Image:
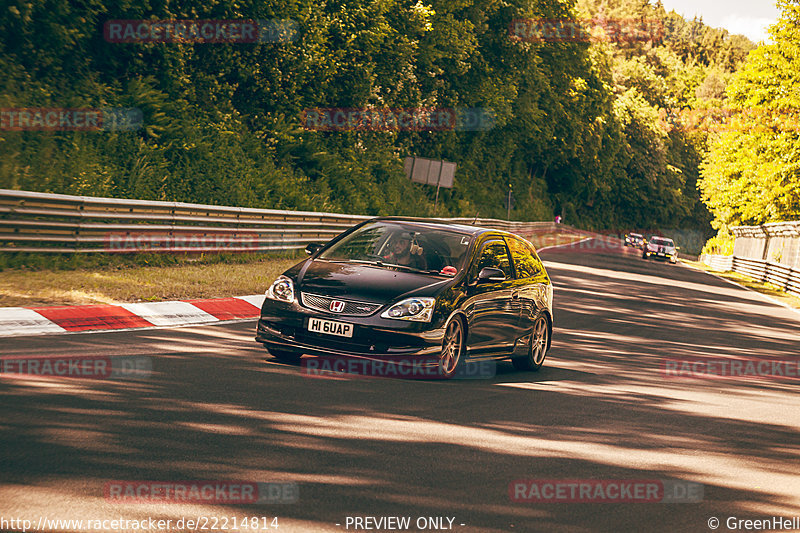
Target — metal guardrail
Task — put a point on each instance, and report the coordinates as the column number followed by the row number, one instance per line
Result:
column 776, row 242
column 57, row 223
column 750, row 267
column 779, row 275
column 755, row 251
column 722, row 263
column 769, row 253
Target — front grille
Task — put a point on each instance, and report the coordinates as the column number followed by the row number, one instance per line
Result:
column 351, row 308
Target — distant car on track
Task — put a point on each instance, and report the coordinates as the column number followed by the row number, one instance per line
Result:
column 470, row 294
column 634, row 239
column 660, row 248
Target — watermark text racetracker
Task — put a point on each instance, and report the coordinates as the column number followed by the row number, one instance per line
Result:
column 83, row 367
column 238, row 31
column 756, row 119
column 581, row 31
column 398, row 119
column 187, row 241
column 741, row 368
column 604, row 491
column 70, row 119
column 399, row 368
column 200, row 492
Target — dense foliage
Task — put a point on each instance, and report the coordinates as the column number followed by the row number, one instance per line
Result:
column 579, row 129
column 752, row 172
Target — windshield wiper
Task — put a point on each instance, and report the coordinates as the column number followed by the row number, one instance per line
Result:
column 365, row 262
column 408, row 268
column 380, row 263
column 360, row 261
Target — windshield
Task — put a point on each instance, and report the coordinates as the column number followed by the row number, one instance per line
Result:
column 418, row 247
column 662, row 242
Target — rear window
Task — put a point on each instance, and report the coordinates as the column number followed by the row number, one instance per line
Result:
column 525, row 261
column 494, row 255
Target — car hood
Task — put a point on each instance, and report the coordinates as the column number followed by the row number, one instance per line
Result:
column 365, row 283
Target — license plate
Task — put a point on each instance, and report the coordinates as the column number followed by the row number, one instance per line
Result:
column 660, row 253
column 329, row 327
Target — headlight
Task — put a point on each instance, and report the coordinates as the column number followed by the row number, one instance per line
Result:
column 416, row 309
column 282, row 289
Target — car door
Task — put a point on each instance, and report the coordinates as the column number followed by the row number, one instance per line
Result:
column 491, row 318
column 529, row 290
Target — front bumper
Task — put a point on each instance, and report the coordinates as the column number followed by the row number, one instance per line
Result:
column 672, row 258
column 284, row 326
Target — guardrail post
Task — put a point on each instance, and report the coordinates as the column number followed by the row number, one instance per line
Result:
column 765, row 254
column 76, row 231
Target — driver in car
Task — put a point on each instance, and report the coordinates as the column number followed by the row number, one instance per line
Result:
column 403, row 253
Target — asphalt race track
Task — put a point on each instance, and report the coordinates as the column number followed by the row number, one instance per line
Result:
column 602, row 408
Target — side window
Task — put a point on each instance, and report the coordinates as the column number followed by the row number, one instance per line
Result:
column 494, row 254
column 526, row 263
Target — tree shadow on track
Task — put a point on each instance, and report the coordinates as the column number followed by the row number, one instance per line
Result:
column 599, row 409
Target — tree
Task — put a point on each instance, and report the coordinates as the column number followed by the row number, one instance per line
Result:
column 752, row 172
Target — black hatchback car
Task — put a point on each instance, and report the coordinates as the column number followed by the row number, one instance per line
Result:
column 413, row 291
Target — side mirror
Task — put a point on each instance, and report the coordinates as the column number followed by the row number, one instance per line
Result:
column 313, row 248
column 491, row 274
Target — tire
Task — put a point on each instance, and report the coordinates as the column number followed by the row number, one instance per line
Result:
column 537, row 347
column 452, row 352
column 291, row 358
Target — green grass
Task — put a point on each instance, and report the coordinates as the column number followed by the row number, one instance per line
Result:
column 118, row 282
column 82, row 261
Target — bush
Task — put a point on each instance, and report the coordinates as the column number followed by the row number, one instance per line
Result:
column 722, row 244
